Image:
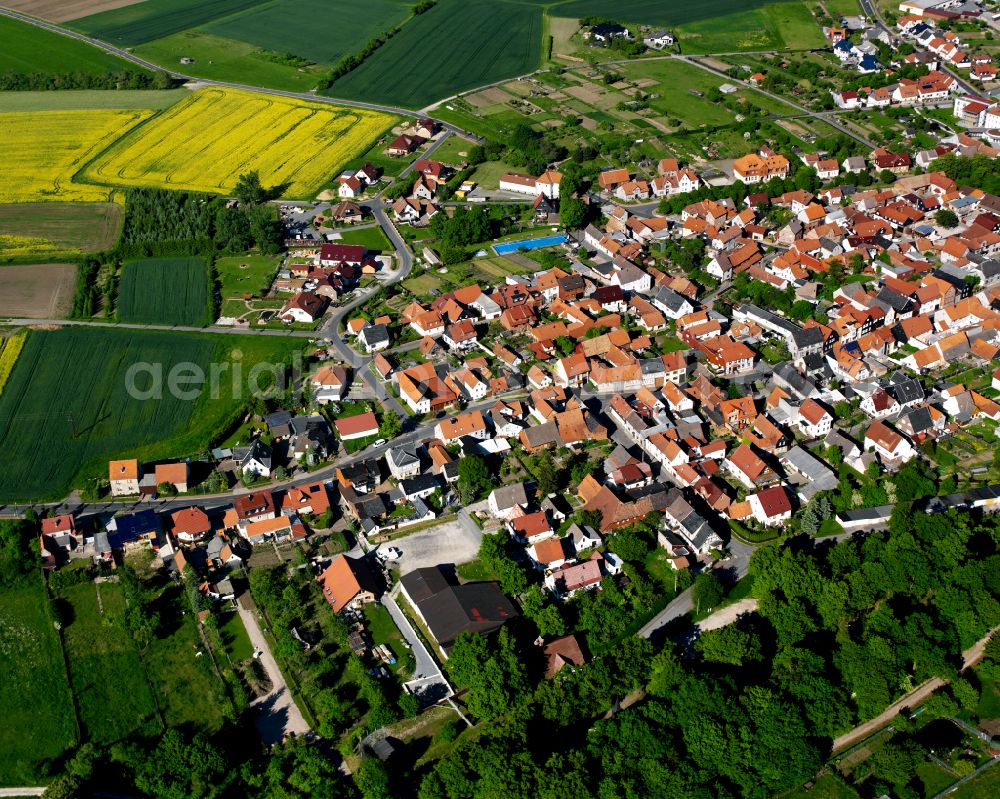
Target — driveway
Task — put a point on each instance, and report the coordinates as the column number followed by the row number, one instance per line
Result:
column 275, row 714
column 428, row 683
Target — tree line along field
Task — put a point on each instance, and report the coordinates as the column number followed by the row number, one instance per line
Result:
column 154, row 19
column 29, row 49
column 35, row 700
column 44, row 150
column 207, row 140
column 65, row 409
column 165, row 291
column 457, row 45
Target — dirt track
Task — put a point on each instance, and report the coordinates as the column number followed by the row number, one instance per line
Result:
column 970, row 656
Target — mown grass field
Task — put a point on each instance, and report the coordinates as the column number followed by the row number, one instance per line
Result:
column 675, row 82
column 279, row 26
column 44, row 150
column 165, row 291
column 227, row 60
column 106, row 673
column 154, row 19
column 83, row 227
column 206, row 141
column 245, row 274
column 39, row 722
column 27, row 49
column 66, row 410
column 371, row 238
column 457, row 45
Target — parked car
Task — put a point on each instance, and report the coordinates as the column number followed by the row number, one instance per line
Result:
column 380, row 443
column 389, row 553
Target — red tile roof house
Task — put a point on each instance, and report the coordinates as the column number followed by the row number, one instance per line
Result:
column 581, row 577
column 772, row 506
column 303, row 307
column 190, row 524
column 404, row 145
column 333, row 254
column 249, row 508
column 892, row 448
column 58, row 533
column 309, row 500
column 531, row 528
column 355, row 427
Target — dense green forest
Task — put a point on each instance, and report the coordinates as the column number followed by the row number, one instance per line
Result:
column 752, row 708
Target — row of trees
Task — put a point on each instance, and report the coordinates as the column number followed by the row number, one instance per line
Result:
column 123, row 79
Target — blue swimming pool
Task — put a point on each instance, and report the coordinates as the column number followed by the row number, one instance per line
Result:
column 528, row 244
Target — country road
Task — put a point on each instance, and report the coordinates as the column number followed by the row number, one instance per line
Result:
column 311, row 96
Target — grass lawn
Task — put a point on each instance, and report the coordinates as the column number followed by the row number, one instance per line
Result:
column 985, row 786
column 112, row 693
column 989, row 702
column 88, row 227
column 371, row 238
column 65, row 430
column 28, row 49
column 423, row 285
column 842, row 8
column 227, row 60
column 190, row 692
column 675, row 82
column 234, row 636
column 86, row 99
column 246, row 274
column 453, row 151
column 383, row 630
column 672, row 344
column 35, row 700
column 934, row 778
column 475, row 571
column 463, row 44
column 488, row 173
column 165, row 291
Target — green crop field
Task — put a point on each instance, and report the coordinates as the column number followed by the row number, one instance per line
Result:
column 88, row 227
column 714, row 26
column 108, row 678
column 165, row 291
column 154, row 19
column 35, row 701
column 457, row 45
column 89, row 99
column 27, row 49
column 66, row 411
column 280, row 26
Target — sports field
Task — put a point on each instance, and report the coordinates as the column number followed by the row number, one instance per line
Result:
column 43, row 150
column 457, row 45
column 87, row 227
column 27, row 49
column 107, row 676
column 154, row 19
column 206, row 141
column 37, row 291
column 35, row 702
column 282, row 26
column 67, row 410
column 164, row 291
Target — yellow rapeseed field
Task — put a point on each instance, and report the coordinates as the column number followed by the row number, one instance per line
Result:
column 10, row 348
column 42, row 150
column 205, row 142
